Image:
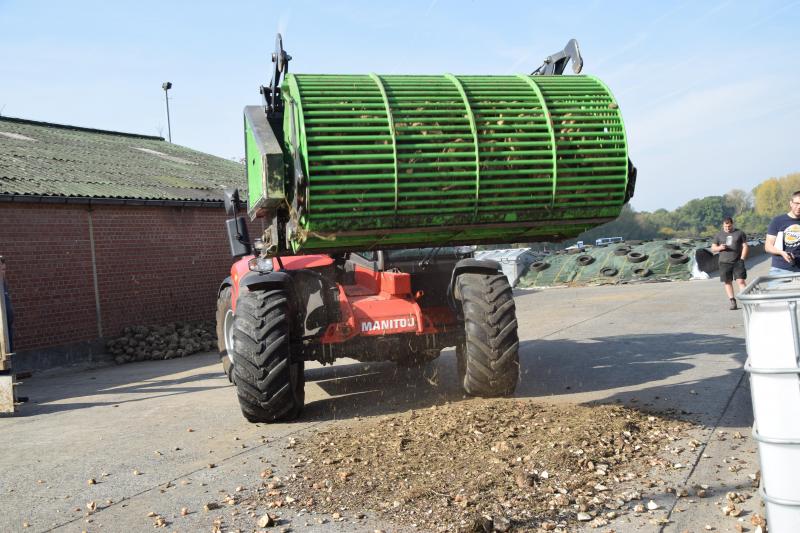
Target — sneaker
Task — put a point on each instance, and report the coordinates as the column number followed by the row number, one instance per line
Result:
column 733, row 306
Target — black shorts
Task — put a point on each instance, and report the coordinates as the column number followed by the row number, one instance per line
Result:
column 731, row 271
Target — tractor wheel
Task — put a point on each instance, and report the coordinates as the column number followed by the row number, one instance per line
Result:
column 270, row 385
column 461, row 362
column 489, row 358
column 225, row 332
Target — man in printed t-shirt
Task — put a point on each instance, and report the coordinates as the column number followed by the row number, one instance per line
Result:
column 786, row 249
column 731, row 244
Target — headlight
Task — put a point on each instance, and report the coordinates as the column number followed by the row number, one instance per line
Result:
column 261, row 264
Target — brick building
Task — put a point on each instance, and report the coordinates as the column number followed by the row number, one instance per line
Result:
column 103, row 230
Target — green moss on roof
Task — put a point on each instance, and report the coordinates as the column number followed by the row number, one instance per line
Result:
column 43, row 159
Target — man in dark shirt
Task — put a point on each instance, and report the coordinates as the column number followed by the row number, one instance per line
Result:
column 783, row 239
column 731, row 244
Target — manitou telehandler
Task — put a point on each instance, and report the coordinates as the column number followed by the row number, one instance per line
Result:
column 372, row 191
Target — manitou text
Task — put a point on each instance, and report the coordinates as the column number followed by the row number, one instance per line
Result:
column 388, row 324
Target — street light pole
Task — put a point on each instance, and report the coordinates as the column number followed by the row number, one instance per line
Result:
column 167, row 85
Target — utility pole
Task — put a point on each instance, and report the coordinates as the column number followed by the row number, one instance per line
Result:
column 167, row 85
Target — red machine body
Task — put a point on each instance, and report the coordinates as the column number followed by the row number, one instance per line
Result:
column 378, row 303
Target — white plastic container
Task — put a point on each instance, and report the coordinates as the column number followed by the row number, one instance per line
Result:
column 782, row 516
column 771, row 305
column 776, row 403
column 770, row 334
column 780, row 466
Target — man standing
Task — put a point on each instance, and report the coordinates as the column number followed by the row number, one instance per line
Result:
column 732, row 247
column 786, row 248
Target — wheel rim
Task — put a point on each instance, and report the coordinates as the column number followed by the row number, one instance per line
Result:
column 228, row 330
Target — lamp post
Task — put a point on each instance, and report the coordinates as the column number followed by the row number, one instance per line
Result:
column 167, row 85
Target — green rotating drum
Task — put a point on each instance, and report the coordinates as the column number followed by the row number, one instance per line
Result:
column 405, row 161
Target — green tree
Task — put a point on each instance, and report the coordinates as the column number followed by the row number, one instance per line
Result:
column 696, row 216
column 753, row 224
column 768, row 198
column 738, row 201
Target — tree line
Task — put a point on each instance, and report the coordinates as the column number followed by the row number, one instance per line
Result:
column 702, row 217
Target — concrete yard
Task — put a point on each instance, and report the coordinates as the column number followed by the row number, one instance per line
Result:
column 160, row 436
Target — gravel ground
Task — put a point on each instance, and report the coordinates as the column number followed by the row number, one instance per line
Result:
column 487, row 465
column 170, row 439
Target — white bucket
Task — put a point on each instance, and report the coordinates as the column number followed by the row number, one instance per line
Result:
column 776, row 401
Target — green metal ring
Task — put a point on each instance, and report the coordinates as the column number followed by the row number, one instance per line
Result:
column 390, row 119
column 474, row 128
column 529, row 80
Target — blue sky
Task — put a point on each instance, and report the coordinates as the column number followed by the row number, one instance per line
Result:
column 707, row 89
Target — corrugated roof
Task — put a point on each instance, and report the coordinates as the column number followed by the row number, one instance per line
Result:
column 42, row 159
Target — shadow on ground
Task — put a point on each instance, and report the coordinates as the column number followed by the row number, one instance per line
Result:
column 649, row 367
column 143, row 381
column 549, row 368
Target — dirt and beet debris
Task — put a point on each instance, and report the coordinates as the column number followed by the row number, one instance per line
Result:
column 485, row 465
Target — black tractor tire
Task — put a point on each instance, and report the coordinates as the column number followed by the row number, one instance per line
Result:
column 269, row 383
column 622, row 250
column 538, row 266
column 584, row 260
column 609, row 272
column 642, row 272
column 224, row 330
column 678, row 258
column 637, row 257
column 461, row 362
column 488, row 360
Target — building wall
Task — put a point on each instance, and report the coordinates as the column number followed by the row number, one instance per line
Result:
column 154, row 265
